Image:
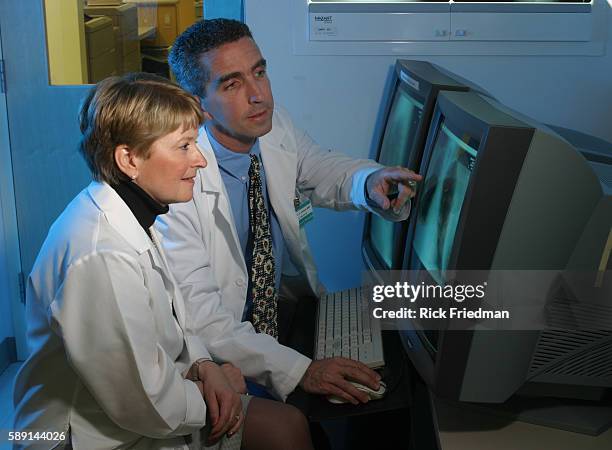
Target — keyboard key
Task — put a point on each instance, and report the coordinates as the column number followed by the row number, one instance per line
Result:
column 346, row 328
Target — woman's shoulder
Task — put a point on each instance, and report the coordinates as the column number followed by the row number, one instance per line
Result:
column 83, row 230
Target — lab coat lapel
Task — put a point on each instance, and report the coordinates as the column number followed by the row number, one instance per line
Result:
column 281, row 175
column 159, row 260
column 212, row 186
column 119, row 215
column 281, row 172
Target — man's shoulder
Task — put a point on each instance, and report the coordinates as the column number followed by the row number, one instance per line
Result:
column 282, row 128
column 281, row 114
column 282, row 120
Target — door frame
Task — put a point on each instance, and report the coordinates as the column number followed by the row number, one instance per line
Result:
column 11, row 257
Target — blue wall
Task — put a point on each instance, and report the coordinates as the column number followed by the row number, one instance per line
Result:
column 231, row 9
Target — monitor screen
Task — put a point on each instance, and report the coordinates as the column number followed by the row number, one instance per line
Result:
column 444, row 190
column 402, row 126
column 399, row 137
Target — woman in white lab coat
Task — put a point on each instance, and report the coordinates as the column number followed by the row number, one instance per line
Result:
column 111, row 364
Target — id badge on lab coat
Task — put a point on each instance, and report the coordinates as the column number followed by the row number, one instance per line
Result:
column 303, row 210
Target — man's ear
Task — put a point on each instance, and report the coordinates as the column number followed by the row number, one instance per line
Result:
column 126, row 161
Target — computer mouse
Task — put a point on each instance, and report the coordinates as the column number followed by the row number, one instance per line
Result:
column 374, row 395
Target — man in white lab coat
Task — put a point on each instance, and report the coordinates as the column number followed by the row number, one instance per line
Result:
column 209, row 241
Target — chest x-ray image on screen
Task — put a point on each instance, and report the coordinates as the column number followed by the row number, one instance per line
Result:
column 442, row 197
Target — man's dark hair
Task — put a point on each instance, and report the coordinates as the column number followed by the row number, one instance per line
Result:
column 199, row 38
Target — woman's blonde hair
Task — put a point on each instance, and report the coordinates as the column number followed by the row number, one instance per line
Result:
column 133, row 110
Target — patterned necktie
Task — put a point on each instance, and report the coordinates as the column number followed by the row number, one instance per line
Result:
column 263, row 291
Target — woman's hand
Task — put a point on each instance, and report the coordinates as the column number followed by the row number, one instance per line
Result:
column 234, row 375
column 223, row 402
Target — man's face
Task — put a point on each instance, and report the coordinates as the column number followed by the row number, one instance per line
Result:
column 238, row 102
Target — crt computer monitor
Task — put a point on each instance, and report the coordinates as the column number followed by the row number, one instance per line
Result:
column 503, row 192
column 409, row 107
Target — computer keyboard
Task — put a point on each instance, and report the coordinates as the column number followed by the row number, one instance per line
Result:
column 346, row 328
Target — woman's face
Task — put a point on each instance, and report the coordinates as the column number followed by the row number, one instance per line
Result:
column 168, row 174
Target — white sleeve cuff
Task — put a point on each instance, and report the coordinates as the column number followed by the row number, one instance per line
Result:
column 358, row 188
column 195, row 415
column 293, row 378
